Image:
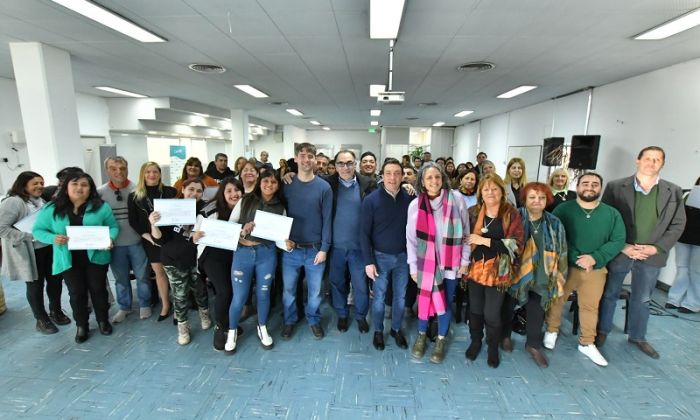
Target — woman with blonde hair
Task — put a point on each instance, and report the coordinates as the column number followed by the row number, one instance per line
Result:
column 515, row 179
column 559, row 184
column 140, row 204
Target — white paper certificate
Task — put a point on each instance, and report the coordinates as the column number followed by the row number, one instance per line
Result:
column 694, row 197
column 26, row 224
column 271, row 226
column 176, row 211
column 220, row 234
column 88, row 237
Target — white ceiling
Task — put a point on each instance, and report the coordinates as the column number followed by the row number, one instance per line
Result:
column 317, row 56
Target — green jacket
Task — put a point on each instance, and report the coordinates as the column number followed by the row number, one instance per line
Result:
column 47, row 227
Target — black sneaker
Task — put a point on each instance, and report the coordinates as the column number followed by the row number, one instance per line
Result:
column 342, row 324
column 362, row 325
column 59, row 317
column 45, row 326
column 317, row 330
column 287, row 332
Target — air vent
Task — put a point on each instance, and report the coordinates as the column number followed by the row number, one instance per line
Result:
column 207, row 68
column 477, row 66
column 424, row 104
column 411, row 118
column 277, row 103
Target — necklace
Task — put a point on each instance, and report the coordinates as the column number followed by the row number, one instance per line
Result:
column 562, row 195
column 588, row 213
column 485, row 229
column 536, row 227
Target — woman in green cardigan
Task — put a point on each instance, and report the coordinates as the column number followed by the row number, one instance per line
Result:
column 85, row 271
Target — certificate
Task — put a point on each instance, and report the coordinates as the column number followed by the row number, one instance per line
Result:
column 174, row 211
column 271, row 226
column 88, row 237
column 694, row 197
column 26, row 224
column 220, row 234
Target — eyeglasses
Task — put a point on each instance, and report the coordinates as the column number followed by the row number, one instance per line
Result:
column 118, row 194
column 348, row 164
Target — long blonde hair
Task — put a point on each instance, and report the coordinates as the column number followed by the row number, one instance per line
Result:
column 523, row 178
column 140, row 190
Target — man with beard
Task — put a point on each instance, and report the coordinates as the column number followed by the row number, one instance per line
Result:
column 595, row 234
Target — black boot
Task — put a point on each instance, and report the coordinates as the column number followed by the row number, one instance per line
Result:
column 493, row 337
column 476, row 331
column 459, row 303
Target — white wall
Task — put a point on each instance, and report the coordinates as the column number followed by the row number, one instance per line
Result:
column 291, row 135
column 466, row 139
column 336, row 138
column 11, row 120
column 272, row 144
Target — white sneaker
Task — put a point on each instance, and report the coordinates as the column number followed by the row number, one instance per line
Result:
column 230, row 345
column 120, row 316
column 550, row 340
column 183, row 333
column 265, row 338
column 145, row 313
column 205, row 319
column 591, row 351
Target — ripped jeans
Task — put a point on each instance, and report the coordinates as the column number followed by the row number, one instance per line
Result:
column 248, row 261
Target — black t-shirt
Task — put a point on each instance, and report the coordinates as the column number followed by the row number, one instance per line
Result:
column 495, row 233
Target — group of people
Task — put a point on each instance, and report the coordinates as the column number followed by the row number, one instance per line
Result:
column 417, row 232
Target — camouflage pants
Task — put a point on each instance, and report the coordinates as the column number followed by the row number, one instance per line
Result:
column 182, row 282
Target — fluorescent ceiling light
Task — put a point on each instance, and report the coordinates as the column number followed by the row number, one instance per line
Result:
column 385, row 18
column 374, row 123
column 250, row 90
column 463, row 113
column 110, row 19
column 375, row 112
column 327, row 128
column 672, row 27
column 314, row 122
column 120, row 92
column 515, row 92
column 375, row 90
column 295, row 112
column 439, row 124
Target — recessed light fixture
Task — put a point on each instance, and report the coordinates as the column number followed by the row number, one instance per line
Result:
column 463, row 113
column 375, row 112
column 120, row 92
column 327, row 128
column 439, row 124
column 672, row 27
column 375, row 90
column 314, row 122
column 517, row 91
column 385, row 18
column 374, row 123
column 250, row 90
column 295, row 112
column 110, row 19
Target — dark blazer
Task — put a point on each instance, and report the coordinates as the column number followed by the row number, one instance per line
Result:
column 367, row 185
column 670, row 208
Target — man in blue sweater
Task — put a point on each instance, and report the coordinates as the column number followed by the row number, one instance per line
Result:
column 349, row 189
column 309, row 202
column 383, row 242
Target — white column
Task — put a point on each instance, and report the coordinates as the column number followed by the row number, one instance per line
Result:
column 46, row 93
column 291, row 135
column 240, row 140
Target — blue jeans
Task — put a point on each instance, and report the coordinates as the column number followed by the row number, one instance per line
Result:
column 134, row 257
column 394, row 267
column 644, row 278
column 352, row 260
column 260, row 260
column 444, row 319
column 685, row 291
column 291, row 265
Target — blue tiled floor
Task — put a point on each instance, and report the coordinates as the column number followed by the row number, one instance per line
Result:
column 140, row 372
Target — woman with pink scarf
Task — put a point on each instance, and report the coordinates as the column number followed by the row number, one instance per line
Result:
column 437, row 223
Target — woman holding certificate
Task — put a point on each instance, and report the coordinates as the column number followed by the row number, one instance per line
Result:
column 254, row 256
column 81, row 255
column 26, row 259
column 214, row 262
column 179, row 257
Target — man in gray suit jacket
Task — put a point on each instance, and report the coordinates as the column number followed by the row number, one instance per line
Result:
column 654, row 217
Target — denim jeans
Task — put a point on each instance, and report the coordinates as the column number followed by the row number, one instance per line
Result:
column 394, row 267
column 291, row 265
column 131, row 257
column 685, row 291
column 352, row 260
column 644, row 278
column 260, row 261
column 444, row 319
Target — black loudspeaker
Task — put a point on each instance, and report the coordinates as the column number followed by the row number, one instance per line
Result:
column 552, row 151
column 584, row 152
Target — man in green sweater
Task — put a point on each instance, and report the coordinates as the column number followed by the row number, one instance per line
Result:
column 595, row 234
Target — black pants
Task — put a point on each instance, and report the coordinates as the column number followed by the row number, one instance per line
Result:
column 535, row 320
column 83, row 278
column 507, row 313
column 54, row 285
column 217, row 267
column 485, row 304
